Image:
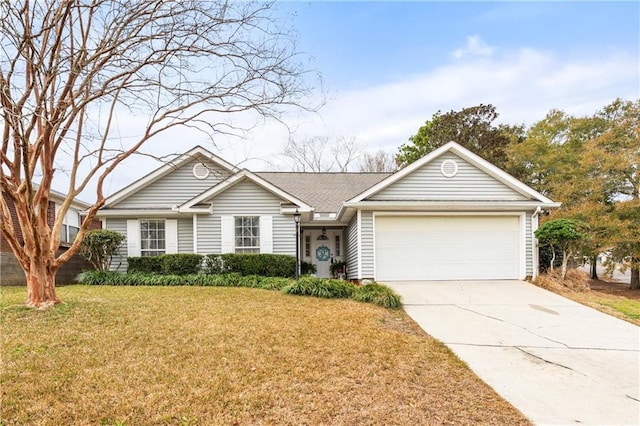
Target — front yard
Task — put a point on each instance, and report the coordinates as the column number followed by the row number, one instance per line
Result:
column 208, row 355
column 611, row 297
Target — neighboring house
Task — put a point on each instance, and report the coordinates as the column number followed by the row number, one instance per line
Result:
column 450, row 215
column 10, row 271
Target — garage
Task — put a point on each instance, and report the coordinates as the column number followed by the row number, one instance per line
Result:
column 473, row 247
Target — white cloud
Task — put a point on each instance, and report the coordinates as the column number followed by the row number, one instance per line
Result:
column 523, row 85
column 475, row 47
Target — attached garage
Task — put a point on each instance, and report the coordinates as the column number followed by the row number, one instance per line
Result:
column 452, row 247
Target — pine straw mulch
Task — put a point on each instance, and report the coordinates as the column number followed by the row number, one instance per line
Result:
column 611, row 297
column 232, row 356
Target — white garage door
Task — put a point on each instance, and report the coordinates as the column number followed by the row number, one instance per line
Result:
column 447, row 248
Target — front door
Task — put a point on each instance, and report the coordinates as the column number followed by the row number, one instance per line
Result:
column 321, row 254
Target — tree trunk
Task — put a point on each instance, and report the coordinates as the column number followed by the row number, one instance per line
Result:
column 635, row 278
column 41, row 284
column 594, row 268
column 566, row 255
column 553, row 257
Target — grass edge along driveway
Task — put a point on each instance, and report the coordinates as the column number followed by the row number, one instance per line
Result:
column 203, row 355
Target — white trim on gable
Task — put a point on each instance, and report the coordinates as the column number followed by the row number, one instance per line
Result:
column 188, row 206
column 166, row 169
column 467, row 155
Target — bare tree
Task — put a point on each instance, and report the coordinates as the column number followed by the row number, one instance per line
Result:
column 71, row 69
column 381, row 161
column 322, row 154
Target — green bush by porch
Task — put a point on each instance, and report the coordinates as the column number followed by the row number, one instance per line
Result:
column 306, row 286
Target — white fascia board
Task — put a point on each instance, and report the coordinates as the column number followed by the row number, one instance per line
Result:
column 237, row 178
column 134, row 213
column 464, row 153
column 451, row 205
column 166, row 169
column 196, row 210
column 77, row 204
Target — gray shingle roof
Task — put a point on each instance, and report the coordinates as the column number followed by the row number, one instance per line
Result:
column 324, row 191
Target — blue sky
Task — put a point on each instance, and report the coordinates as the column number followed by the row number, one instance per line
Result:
column 361, row 43
column 387, row 67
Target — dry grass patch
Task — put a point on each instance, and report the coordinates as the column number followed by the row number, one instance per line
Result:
column 575, row 280
column 201, row 355
column 611, row 297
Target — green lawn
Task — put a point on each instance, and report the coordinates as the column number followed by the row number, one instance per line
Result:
column 207, row 355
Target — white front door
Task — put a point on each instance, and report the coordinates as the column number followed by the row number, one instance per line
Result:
column 321, row 254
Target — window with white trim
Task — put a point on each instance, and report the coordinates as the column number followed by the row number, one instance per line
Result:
column 152, row 237
column 336, row 251
column 307, row 245
column 70, row 225
column 247, row 234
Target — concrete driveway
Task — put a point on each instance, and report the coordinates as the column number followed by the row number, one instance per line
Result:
column 555, row 360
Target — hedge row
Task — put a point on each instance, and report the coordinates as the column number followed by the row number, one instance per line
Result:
column 168, row 264
column 305, row 286
column 222, row 280
column 267, row 265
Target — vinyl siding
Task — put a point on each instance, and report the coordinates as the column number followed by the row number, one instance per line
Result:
column 175, row 188
column 284, row 235
column 367, row 244
column 351, row 247
column 428, row 183
column 248, row 199
column 209, row 234
column 185, row 235
column 119, row 261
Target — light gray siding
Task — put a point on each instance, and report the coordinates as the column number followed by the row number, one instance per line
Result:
column 367, row 258
column 284, row 235
column 119, row 261
column 246, row 198
column 175, row 188
column 428, row 183
column 529, row 245
column 185, row 235
column 351, row 246
column 209, row 234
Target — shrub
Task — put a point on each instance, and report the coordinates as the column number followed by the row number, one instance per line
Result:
column 181, row 264
column 266, row 265
column 377, row 294
column 307, row 268
column 213, row 264
column 318, row 287
column 305, row 286
column 145, row 264
column 575, row 280
column 99, row 246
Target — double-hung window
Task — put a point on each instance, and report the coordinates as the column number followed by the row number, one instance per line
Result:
column 152, row 237
column 247, row 234
column 70, row 225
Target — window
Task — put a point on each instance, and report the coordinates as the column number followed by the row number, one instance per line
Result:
column 307, row 245
column 247, row 232
column 70, row 225
column 152, row 237
column 336, row 252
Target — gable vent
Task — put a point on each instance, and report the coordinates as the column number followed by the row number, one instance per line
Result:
column 449, row 168
column 200, row 171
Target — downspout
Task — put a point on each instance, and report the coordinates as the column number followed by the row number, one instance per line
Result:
column 535, row 248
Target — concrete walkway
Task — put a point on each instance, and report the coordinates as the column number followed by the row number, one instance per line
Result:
column 555, row 360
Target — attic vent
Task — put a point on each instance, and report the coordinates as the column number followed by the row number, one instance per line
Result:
column 200, row 171
column 449, row 168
